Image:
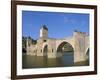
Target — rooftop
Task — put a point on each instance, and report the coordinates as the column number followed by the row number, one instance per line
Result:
column 44, row 27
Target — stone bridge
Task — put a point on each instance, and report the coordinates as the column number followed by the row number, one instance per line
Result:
column 51, row 47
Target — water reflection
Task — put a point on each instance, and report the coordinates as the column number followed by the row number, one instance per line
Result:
column 43, row 62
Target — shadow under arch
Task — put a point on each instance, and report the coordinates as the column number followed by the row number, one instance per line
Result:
column 45, row 50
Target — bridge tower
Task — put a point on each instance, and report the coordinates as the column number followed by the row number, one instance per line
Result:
column 79, row 46
column 42, row 47
column 44, row 32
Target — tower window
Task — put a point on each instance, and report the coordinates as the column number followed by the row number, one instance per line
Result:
column 52, row 50
column 44, row 40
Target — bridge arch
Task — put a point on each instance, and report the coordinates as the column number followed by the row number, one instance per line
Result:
column 66, row 54
column 45, row 49
column 67, row 45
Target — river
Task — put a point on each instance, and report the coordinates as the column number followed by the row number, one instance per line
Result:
column 43, row 62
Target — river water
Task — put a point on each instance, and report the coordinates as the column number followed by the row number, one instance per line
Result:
column 43, row 62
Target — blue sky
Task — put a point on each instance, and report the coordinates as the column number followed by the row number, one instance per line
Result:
column 60, row 25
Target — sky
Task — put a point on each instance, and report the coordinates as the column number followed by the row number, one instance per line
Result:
column 60, row 25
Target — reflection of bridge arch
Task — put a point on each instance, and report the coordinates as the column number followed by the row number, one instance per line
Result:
column 61, row 46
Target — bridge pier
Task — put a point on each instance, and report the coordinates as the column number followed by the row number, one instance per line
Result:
column 79, row 57
column 79, row 46
column 51, row 55
column 54, row 55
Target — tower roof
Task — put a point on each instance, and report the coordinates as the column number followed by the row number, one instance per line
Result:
column 44, row 27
